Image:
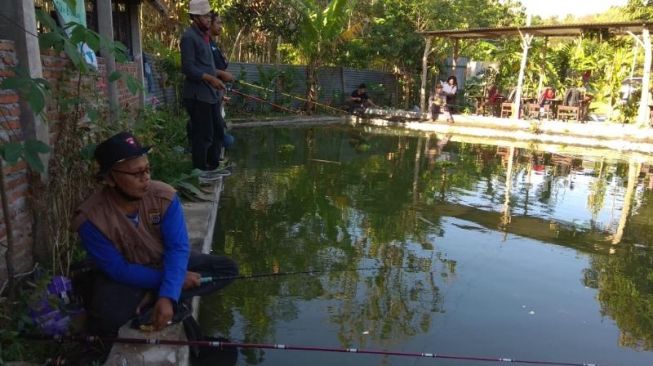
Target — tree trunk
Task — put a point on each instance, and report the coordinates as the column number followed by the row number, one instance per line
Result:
column 454, row 56
column 425, row 65
column 311, row 86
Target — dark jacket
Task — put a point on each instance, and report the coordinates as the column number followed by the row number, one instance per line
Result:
column 197, row 60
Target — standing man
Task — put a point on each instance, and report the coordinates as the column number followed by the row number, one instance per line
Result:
column 133, row 230
column 221, row 65
column 200, row 92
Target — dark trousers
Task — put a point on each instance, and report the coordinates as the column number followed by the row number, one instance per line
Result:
column 113, row 303
column 451, row 103
column 205, row 133
column 435, row 111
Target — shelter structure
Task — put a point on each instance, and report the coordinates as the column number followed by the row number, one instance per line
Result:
column 638, row 30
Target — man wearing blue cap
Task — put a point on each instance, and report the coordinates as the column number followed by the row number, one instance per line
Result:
column 133, row 230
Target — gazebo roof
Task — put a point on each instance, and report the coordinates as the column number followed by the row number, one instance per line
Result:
column 559, row 30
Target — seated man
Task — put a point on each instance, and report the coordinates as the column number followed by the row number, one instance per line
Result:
column 359, row 99
column 437, row 102
column 133, row 230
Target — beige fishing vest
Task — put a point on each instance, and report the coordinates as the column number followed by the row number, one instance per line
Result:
column 140, row 243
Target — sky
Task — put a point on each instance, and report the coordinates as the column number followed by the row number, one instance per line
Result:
column 547, row 8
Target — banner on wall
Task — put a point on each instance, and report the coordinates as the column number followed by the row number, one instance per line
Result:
column 68, row 13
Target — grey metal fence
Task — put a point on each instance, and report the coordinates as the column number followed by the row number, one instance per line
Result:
column 284, row 82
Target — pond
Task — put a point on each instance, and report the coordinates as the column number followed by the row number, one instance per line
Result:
column 425, row 243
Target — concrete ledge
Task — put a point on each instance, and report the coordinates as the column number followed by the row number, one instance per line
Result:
column 200, row 222
column 624, row 138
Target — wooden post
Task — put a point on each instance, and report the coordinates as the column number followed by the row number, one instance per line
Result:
column 541, row 81
column 634, row 167
column 644, row 112
column 454, row 56
column 506, row 217
column 105, row 27
column 137, row 46
column 525, row 44
column 425, row 65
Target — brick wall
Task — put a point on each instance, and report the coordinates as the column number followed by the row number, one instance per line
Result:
column 56, row 69
column 16, row 179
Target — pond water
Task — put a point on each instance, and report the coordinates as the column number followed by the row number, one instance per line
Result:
column 430, row 244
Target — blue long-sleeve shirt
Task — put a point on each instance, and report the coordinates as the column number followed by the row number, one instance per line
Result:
column 168, row 280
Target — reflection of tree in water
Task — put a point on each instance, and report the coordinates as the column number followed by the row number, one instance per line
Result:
column 327, row 203
column 625, row 291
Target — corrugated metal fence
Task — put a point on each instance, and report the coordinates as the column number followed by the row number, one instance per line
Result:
column 335, row 84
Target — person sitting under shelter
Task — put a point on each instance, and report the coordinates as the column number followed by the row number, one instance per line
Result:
column 134, row 232
column 546, row 101
column 491, row 102
column 437, row 101
column 359, row 100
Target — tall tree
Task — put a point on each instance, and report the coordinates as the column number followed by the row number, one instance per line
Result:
column 319, row 31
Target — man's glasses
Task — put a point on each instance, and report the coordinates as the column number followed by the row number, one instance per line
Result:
column 138, row 174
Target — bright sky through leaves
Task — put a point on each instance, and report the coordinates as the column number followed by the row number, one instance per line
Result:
column 561, row 8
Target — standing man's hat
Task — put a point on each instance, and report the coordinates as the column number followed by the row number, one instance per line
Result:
column 118, row 148
column 199, row 7
column 362, row 86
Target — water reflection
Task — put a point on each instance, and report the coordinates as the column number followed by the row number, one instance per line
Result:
column 436, row 216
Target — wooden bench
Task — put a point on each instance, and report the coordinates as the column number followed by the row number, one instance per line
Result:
column 566, row 112
column 506, row 110
column 532, row 110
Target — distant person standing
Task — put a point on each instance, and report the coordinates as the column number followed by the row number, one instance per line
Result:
column 450, row 88
column 359, row 99
column 200, row 92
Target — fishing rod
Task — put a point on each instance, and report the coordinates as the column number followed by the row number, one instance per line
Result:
column 222, row 344
column 264, row 101
column 209, row 279
column 293, row 96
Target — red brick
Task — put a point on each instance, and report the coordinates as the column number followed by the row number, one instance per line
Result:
column 21, row 165
column 17, row 182
column 9, row 110
column 8, row 98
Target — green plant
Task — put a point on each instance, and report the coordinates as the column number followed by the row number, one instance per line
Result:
column 165, row 130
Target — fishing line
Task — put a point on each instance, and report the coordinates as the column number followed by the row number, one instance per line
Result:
column 221, row 344
column 293, row 96
column 209, row 279
column 264, row 101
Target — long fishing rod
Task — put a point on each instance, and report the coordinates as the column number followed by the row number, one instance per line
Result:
column 221, row 344
column 264, row 101
column 209, row 279
column 293, row 96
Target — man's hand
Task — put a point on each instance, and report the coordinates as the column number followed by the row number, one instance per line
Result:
column 192, row 280
column 213, row 81
column 163, row 313
column 226, row 76
column 145, row 302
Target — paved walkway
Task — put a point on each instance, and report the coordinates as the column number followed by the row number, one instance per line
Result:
column 614, row 136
